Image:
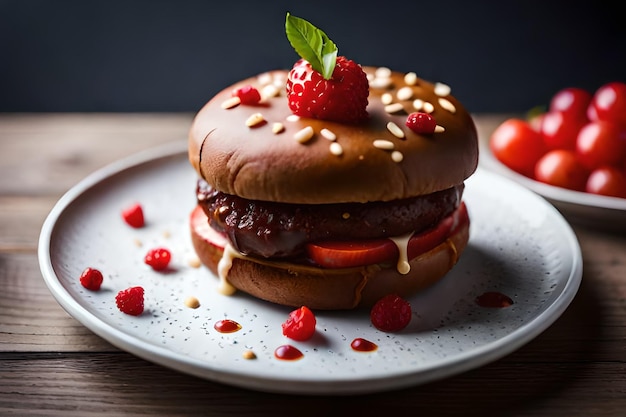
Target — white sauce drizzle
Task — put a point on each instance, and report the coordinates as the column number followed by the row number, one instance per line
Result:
column 226, row 261
column 402, row 242
column 223, row 267
column 455, row 253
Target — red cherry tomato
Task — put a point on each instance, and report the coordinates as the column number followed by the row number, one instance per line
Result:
column 601, row 143
column 561, row 168
column 609, row 103
column 609, row 181
column 572, row 101
column 559, row 130
column 517, row 145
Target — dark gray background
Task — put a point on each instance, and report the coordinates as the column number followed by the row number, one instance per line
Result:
column 105, row 56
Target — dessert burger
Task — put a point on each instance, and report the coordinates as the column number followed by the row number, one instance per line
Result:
column 333, row 184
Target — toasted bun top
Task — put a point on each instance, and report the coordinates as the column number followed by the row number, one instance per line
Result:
column 254, row 162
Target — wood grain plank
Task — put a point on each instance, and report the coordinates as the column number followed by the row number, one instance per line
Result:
column 30, row 318
column 21, row 219
column 48, row 154
column 120, row 384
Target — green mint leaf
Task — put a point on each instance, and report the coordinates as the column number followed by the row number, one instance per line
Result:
column 312, row 44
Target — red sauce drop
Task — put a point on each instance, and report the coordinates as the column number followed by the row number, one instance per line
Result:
column 494, row 299
column 287, row 353
column 363, row 345
column 227, row 326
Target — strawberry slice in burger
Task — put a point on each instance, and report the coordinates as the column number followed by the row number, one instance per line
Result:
column 340, row 185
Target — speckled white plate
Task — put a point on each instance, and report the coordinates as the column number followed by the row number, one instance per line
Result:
column 598, row 211
column 520, row 246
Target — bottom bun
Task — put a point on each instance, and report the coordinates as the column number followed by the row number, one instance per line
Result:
column 296, row 285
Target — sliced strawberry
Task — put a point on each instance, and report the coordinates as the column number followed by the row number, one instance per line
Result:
column 200, row 224
column 345, row 254
column 429, row 239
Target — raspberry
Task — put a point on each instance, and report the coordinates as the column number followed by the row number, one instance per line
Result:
column 300, row 325
column 247, row 94
column 91, row 279
column 133, row 215
column 391, row 313
column 342, row 98
column 158, row 258
column 130, row 301
column 420, row 122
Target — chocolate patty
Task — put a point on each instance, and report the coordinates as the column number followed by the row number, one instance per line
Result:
column 281, row 230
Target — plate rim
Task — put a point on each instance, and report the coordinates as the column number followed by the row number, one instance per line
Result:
column 471, row 359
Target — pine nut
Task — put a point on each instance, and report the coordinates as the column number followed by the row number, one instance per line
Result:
column 446, row 104
column 304, row 135
column 336, row 149
column 254, row 120
column 383, row 144
column 231, row 102
column 442, row 89
column 395, row 130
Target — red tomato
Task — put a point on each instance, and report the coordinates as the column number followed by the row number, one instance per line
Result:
column 345, row 254
column 429, row 239
column 339, row 254
column 572, row 101
column 609, row 103
column 517, row 145
column 561, row 168
column 592, row 115
column 559, row 130
column 601, row 143
column 608, row 181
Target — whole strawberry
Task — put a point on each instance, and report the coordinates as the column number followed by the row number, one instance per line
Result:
column 323, row 85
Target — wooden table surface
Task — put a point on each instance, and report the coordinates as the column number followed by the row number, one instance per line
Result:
column 51, row 365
